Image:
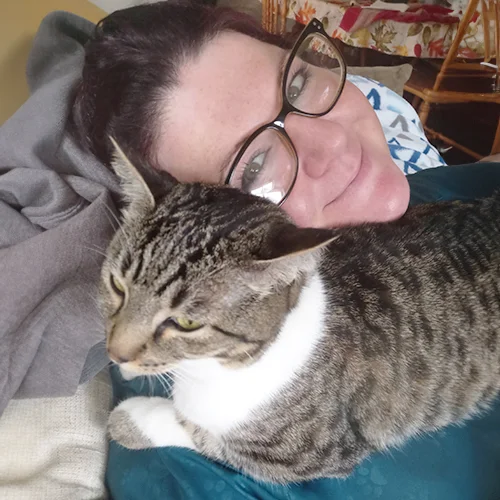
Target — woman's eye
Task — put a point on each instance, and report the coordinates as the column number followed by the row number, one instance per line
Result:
column 252, row 171
column 117, row 286
column 297, row 85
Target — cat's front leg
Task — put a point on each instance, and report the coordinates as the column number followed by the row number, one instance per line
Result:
column 143, row 422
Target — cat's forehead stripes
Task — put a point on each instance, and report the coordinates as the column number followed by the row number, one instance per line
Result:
column 171, row 249
column 126, row 262
column 138, row 267
column 192, row 233
column 151, row 232
column 180, row 274
column 179, row 297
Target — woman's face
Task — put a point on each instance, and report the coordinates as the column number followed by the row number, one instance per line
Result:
column 346, row 174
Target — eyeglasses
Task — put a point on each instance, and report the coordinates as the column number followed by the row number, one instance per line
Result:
column 313, row 79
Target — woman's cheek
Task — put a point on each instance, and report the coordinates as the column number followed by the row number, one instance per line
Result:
column 299, row 210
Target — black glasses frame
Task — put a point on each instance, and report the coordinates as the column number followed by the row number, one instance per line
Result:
column 278, row 124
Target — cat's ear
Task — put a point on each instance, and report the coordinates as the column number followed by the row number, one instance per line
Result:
column 287, row 240
column 287, row 253
column 138, row 196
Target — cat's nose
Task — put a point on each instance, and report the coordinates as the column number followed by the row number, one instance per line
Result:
column 117, row 357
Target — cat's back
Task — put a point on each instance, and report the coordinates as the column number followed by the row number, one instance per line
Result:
column 461, row 236
column 416, row 304
column 439, row 264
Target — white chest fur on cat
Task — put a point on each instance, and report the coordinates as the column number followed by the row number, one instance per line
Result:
column 218, row 399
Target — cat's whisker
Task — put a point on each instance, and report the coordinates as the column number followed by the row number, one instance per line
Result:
column 249, row 355
column 142, row 383
column 166, row 377
column 146, row 379
column 161, row 382
column 97, row 247
column 181, row 371
column 149, row 379
column 120, row 225
column 98, row 319
column 181, row 368
column 96, row 250
column 184, row 377
column 98, row 309
column 171, row 382
column 98, row 326
column 98, row 330
column 95, row 300
column 178, row 376
column 113, row 219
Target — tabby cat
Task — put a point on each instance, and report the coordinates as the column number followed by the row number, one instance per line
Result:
column 298, row 352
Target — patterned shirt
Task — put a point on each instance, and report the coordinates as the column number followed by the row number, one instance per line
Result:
column 403, row 130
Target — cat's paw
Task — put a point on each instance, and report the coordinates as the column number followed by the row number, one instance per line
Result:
column 142, row 422
column 123, row 429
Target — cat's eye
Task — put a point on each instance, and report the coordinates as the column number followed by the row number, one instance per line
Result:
column 181, row 324
column 186, row 324
column 117, row 286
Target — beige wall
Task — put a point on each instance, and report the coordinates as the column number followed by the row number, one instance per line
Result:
column 19, row 20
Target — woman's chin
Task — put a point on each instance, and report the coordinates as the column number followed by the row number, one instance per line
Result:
column 393, row 196
column 381, row 196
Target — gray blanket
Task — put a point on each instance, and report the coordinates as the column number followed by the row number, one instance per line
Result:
column 56, row 216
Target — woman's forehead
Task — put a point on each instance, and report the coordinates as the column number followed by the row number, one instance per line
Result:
column 225, row 93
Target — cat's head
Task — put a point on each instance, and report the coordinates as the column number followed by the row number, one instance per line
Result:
column 199, row 271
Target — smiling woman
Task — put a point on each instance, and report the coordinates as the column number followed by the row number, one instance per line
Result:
column 334, row 153
column 344, row 174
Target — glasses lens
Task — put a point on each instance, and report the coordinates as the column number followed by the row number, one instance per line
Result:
column 316, row 75
column 267, row 167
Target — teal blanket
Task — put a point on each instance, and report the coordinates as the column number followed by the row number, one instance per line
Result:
column 457, row 463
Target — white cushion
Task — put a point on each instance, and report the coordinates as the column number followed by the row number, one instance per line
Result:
column 56, row 448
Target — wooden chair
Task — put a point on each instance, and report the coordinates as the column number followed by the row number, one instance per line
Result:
column 457, row 81
column 274, row 15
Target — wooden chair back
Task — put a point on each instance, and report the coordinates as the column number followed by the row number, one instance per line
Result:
column 274, row 15
column 490, row 14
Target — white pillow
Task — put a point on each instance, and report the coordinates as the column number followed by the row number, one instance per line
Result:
column 56, row 448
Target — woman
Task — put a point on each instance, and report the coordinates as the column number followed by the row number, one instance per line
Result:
column 187, row 105
column 196, row 92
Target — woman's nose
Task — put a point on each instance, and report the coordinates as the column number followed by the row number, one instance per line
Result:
column 317, row 142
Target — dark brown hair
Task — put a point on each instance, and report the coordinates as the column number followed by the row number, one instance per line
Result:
column 132, row 62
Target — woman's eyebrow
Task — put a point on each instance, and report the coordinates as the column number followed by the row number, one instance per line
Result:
column 227, row 159
column 282, row 66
